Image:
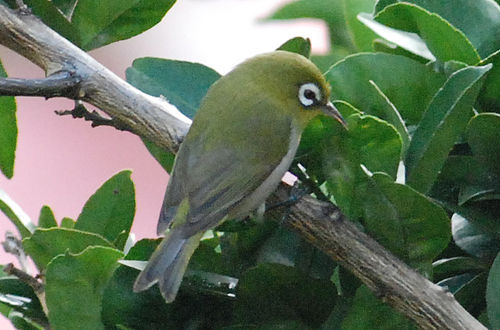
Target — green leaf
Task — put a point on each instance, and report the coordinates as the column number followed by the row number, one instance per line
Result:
column 473, row 238
column 385, row 46
column 120, row 305
column 297, row 45
column 361, row 35
column 110, row 210
column 330, row 11
column 122, row 20
column 403, row 220
column 75, row 285
column 147, row 310
column 493, row 294
column 90, row 28
column 184, row 84
column 407, row 41
column 489, row 97
column 443, row 122
column 484, row 140
column 394, row 117
column 468, row 289
column 444, row 40
column 336, row 155
column 479, row 25
column 47, row 11
column 8, row 132
column 68, row 223
column 66, row 7
column 45, row 244
column 46, row 218
column 162, row 156
column 445, row 268
column 271, row 292
column 20, row 297
column 22, row 323
column 16, row 215
column 368, row 312
column 387, row 71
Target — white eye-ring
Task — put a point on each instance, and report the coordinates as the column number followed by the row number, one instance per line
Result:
column 309, row 94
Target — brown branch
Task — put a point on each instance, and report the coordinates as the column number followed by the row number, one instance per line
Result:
column 62, row 83
column 319, row 222
column 147, row 116
column 24, row 277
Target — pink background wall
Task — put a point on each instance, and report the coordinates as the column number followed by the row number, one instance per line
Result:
column 61, row 161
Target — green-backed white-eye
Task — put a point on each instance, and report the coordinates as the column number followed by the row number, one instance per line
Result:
column 239, row 146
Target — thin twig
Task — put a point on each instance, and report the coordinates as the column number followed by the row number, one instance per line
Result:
column 10, row 269
column 62, row 83
column 80, row 111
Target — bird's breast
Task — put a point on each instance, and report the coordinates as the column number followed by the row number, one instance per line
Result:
column 259, row 195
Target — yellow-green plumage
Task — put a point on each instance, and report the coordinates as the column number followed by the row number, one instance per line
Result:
column 240, row 144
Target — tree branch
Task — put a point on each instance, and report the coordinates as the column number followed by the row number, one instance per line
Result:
column 62, row 83
column 150, row 117
column 319, row 222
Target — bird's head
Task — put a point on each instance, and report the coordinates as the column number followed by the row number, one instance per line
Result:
column 295, row 83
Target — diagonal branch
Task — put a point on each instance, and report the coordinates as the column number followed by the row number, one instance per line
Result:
column 319, row 222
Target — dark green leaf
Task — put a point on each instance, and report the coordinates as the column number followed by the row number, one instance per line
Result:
column 445, row 268
column 387, row 71
column 16, row 215
column 22, row 323
column 409, row 42
column 45, row 244
column 493, row 294
column 330, row 11
column 68, row 223
column 406, row 222
column 393, row 117
column 484, row 140
column 53, row 17
column 474, row 239
column 66, row 7
column 75, row 285
column 121, row 305
column 489, row 97
column 483, row 36
column 90, row 28
column 116, row 20
column 368, row 312
column 46, row 218
column 369, row 141
column 21, row 298
column 146, row 310
column 468, row 289
column 444, row 41
column 443, row 122
column 272, row 292
column 164, row 157
column 8, row 132
column 385, row 46
column 362, row 36
column 297, row 45
column 110, row 211
column 184, row 84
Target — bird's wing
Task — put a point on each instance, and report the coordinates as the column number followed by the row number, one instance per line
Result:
column 207, row 179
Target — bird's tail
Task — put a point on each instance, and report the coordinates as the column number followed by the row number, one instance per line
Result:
column 168, row 264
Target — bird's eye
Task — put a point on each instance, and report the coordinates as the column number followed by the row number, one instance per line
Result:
column 309, row 94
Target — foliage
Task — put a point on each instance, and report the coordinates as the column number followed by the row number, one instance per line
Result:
column 418, row 82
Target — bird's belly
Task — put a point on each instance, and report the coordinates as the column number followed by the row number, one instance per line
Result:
column 259, row 195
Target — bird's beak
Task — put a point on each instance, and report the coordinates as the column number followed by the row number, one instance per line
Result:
column 330, row 110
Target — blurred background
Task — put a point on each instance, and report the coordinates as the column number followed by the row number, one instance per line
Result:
column 62, row 161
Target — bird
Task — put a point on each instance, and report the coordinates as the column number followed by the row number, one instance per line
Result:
column 241, row 142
